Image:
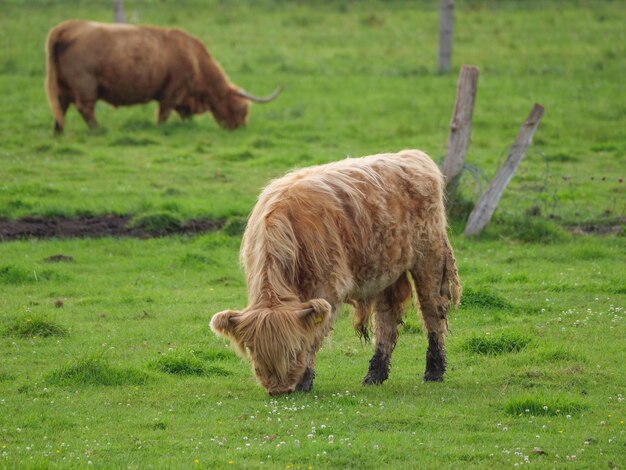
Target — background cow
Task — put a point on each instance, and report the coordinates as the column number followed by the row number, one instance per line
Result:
column 125, row 64
column 349, row 231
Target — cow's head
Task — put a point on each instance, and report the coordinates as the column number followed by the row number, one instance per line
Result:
column 232, row 112
column 279, row 342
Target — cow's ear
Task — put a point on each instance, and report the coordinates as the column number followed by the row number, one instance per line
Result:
column 316, row 311
column 223, row 323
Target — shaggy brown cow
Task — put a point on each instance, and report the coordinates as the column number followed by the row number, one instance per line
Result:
column 349, row 231
column 124, row 65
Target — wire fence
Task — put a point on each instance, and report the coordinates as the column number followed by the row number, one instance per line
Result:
column 568, row 198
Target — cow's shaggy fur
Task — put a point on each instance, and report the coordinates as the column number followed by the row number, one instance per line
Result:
column 350, row 231
column 127, row 64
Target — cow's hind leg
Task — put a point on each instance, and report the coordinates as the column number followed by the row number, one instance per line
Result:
column 86, row 108
column 64, row 104
column 85, row 93
column 433, row 292
column 387, row 317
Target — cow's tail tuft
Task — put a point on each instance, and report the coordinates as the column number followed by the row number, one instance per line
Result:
column 52, row 81
column 451, row 283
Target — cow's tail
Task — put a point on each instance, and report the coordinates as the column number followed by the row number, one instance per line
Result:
column 450, row 282
column 52, row 80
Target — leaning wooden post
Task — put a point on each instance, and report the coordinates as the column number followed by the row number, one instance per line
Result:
column 118, row 11
column 486, row 206
column 460, row 125
column 446, row 30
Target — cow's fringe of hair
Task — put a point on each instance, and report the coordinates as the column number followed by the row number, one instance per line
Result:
column 273, row 334
column 279, row 336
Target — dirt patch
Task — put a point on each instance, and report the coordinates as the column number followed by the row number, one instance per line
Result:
column 95, row 226
column 609, row 227
column 59, row 259
column 120, row 226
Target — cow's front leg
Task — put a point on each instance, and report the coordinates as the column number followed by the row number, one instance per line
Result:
column 378, row 371
column 184, row 112
column 164, row 112
column 306, row 384
column 387, row 318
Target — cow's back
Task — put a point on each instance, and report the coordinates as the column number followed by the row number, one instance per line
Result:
column 349, row 227
column 129, row 64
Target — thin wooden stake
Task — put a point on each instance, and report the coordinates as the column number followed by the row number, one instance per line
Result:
column 118, row 11
column 446, row 30
column 486, row 206
column 461, row 123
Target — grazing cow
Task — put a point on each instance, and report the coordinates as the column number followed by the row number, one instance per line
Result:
column 125, row 64
column 350, row 231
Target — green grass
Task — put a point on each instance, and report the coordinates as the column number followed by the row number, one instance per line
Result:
column 359, row 78
column 494, row 345
column 484, row 300
column 34, row 327
column 94, row 370
column 539, row 405
column 186, row 364
column 11, row 275
column 131, row 375
column 146, row 305
column 157, row 223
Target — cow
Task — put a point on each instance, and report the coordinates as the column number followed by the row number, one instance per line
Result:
column 126, row 64
column 353, row 232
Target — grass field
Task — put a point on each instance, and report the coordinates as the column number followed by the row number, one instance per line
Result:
column 106, row 358
column 359, row 79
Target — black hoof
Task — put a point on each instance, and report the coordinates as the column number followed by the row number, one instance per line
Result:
column 378, row 370
column 433, row 376
column 435, row 360
column 374, row 379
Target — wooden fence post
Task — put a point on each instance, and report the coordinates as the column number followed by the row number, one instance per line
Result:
column 460, row 125
column 446, row 30
column 486, row 206
column 118, row 11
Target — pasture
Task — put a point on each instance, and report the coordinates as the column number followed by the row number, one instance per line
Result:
column 106, row 355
